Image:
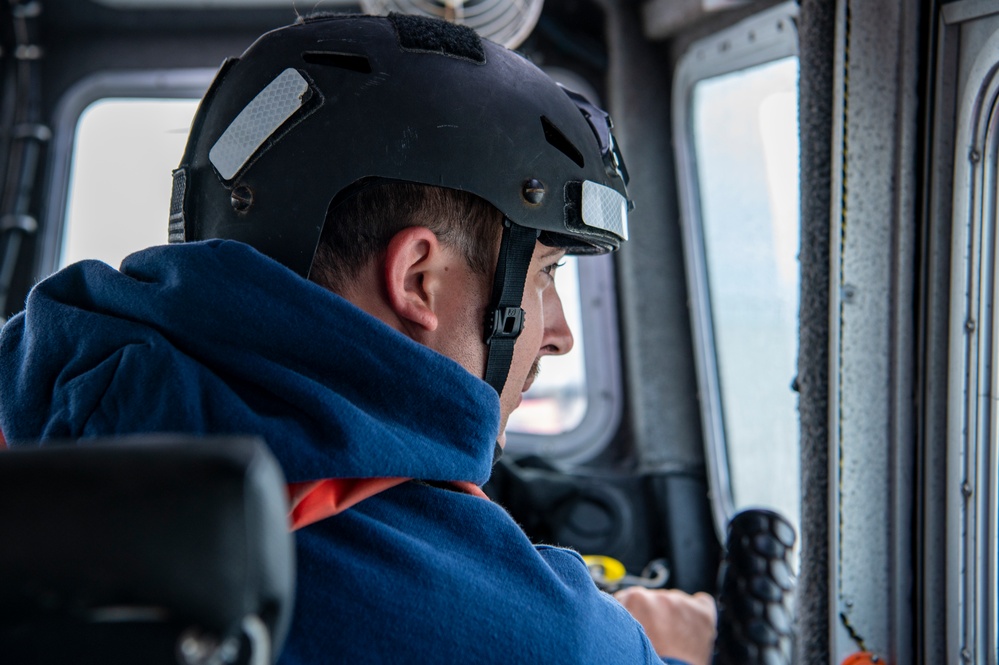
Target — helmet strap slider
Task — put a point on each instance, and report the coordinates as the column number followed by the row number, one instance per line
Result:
column 504, row 316
column 506, row 322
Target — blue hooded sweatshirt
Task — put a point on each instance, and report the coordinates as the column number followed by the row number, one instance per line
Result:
column 214, row 338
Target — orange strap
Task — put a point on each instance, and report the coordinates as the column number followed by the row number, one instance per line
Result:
column 860, row 658
column 469, row 488
column 316, row 500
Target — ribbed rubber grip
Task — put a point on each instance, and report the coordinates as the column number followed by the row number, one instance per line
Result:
column 755, row 591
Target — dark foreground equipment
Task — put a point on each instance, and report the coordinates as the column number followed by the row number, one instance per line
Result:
column 157, row 551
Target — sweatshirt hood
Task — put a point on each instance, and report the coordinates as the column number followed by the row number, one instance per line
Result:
column 215, row 338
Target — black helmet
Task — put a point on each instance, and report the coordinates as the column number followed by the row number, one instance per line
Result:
column 311, row 110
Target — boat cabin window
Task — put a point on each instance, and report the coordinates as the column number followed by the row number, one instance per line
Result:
column 736, row 121
column 746, row 140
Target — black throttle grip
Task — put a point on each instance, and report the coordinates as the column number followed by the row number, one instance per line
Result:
column 755, row 591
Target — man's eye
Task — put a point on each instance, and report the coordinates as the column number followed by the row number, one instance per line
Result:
column 551, row 269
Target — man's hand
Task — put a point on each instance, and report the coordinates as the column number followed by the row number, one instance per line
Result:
column 679, row 625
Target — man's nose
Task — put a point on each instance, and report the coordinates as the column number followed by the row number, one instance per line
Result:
column 558, row 339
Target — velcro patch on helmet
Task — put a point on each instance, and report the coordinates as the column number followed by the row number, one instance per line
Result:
column 430, row 35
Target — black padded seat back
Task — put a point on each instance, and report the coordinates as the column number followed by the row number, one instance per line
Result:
column 177, row 545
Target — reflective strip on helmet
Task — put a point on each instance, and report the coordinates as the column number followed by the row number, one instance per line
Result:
column 257, row 121
column 605, row 208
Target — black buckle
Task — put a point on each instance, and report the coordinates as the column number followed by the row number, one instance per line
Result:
column 505, row 323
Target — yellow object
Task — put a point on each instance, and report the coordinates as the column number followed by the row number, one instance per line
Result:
column 604, row 569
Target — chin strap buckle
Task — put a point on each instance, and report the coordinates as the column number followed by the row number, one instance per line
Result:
column 505, row 323
column 504, row 316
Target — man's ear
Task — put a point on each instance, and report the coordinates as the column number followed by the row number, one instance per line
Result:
column 413, row 259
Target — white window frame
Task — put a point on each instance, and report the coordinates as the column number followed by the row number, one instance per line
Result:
column 973, row 379
column 157, row 84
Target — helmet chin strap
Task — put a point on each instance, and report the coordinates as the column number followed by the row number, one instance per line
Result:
column 504, row 316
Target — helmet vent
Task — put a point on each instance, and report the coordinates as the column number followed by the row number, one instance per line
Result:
column 556, row 138
column 349, row 61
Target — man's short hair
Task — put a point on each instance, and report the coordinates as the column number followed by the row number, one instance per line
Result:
column 360, row 228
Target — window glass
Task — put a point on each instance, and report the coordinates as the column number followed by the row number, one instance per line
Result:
column 120, row 179
column 119, row 195
column 746, row 145
column 556, row 401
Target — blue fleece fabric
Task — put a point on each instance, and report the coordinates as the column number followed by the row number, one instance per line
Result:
column 213, row 337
